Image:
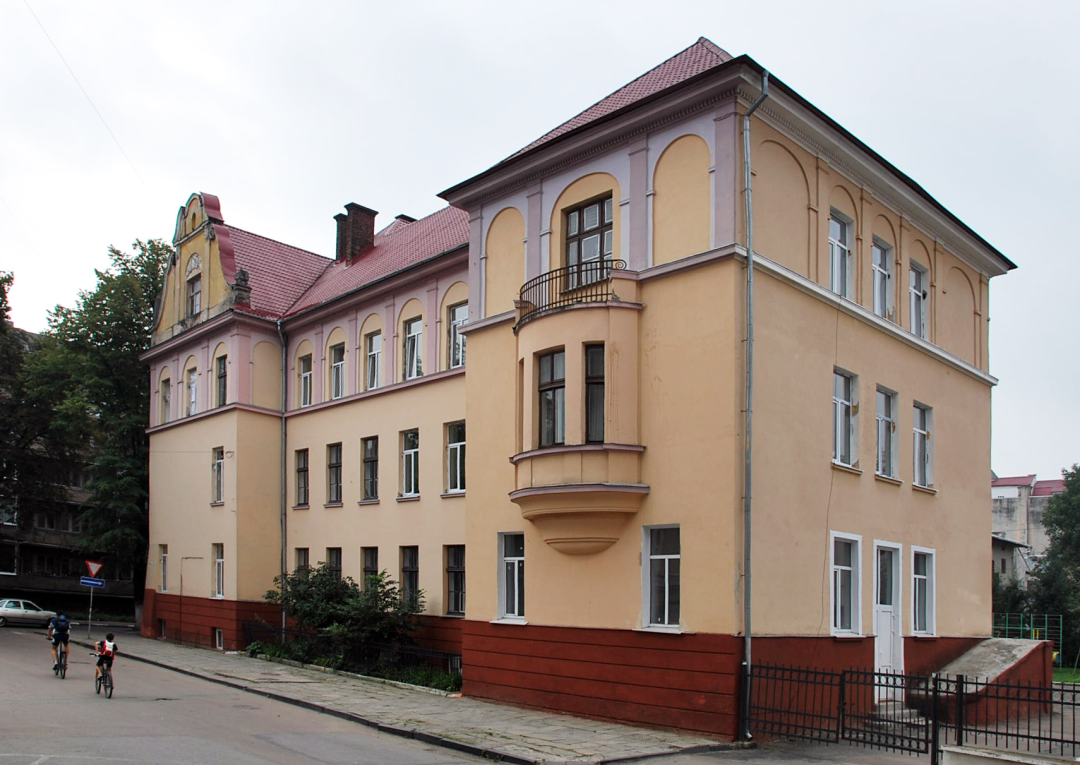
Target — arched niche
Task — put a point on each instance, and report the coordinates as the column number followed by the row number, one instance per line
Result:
column 456, row 295
column 411, row 311
column 372, row 337
column 266, row 375
column 781, row 207
column 304, row 350
column 681, row 202
column 334, row 338
column 504, row 265
column 956, row 315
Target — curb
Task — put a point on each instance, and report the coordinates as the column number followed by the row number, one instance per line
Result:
column 412, row 733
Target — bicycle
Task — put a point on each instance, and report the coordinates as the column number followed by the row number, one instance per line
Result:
column 105, row 679
column 60, row 668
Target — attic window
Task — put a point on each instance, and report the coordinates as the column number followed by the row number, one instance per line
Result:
column 193, row 275
column 194, row 219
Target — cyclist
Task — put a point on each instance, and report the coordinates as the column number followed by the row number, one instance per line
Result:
column 59, row 632
column 106, row 652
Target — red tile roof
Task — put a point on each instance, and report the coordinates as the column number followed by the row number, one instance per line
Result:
column 1048, row 488
column 396, row 247
column 699, row 57
column 278, row 273
column 1020, row 480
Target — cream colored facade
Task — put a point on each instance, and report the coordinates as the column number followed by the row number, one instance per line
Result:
column 862, row 280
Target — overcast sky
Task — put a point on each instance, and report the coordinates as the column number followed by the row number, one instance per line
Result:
column 288, row 111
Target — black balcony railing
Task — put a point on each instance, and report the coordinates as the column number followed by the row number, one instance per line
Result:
column 588, row 282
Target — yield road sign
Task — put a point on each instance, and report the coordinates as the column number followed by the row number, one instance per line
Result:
column 93, row 567
column 89, row 581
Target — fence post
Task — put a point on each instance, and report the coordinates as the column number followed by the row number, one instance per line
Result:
column 935, row 744
column 842, row 711
column 959, row 710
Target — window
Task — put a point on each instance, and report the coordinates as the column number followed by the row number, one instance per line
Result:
column 886, row 433
column 922, row 591
column 845, row 584
column 305, row 380
column 302, row 485
column 374, row 360
column 219, row 638
column 302, row 559
column 9, row 516
column 662, row 593
column 7, row 557
column 192, row 392
column 163, row 555
column 414, row 336
column 46, row 521
column 459, row 314
column 844, row 411
column 917, row 295
column 410, row 463
column 371, row 468
column 455, row 579
column 166, row 400
column 219, row 571
column 333, row 474
column 333, row 561
column 222, row 379
column 552, row 391
column 194, row 295
column 410, row 575
column 370, row 559
column 594, row 394
column 217, row 469
column 922, row 419
column 512, row 581
column 840, row 280
column 337, row 370
column 455, row 457
column 881, row 256
column 589, row 241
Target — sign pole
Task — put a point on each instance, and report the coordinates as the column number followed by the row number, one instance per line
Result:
column 90, row 621
column 93, row 567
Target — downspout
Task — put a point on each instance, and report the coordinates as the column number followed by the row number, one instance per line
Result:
column 284, row 444
column 749, row 454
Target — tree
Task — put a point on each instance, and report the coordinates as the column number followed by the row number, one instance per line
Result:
column 1056, row 585
column 88, row 371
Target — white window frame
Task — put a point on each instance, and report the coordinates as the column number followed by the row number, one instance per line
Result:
column 918, row 300
column 306, row 380
column 931, row 593
column 221, row 380
column 518, row 564
column 925, row 436
column 856, row 583
column 163, row 552
column 410, row 466
column 217, row 475
column 373, row 345
column 194, row 294
column 846, row 418
column 882, row 302
column 648, row 557
column 885, row 432
column 459, row 316
column 414, row 348
column 219, row 638
column 337, row 371
column 841, row 278
column 166, row 400
column 191, row 376
column 219, row 570
column 455, row 454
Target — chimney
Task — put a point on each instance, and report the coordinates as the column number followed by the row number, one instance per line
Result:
column 355, row 231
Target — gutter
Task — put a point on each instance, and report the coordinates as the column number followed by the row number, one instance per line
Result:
column 284, row 444
column 748, row 457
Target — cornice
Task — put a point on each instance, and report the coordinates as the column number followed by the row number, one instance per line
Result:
column 236, row 406
column 208, row 327
column 435, row 377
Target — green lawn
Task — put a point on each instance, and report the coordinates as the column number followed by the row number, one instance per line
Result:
column 1066, row 675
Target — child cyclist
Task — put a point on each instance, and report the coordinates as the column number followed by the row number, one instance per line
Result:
column 106, row 652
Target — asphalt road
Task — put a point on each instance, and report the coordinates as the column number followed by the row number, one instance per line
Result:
column 165, row 718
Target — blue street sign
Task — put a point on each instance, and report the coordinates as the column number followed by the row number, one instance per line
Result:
column 89, row 581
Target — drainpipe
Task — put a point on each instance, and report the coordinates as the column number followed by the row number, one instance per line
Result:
column 284, row 444
column 749, row 454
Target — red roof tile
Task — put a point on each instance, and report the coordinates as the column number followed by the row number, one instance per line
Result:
column 699, row 57
column 1048, row 488
column 1020, row 480
column 278, row 273
column 397, row 246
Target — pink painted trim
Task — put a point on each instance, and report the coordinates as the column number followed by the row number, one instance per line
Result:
column 445, row 374
column 211, row 412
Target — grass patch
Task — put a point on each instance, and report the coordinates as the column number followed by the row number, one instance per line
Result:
column 1066, row 675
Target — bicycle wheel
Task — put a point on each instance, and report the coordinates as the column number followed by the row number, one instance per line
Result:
column 63, row 666
column 97, row 684
column 108, row 684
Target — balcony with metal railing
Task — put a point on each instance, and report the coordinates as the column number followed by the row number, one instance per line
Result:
column 591, row 281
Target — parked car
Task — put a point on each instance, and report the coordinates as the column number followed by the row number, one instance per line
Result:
column 23, row 612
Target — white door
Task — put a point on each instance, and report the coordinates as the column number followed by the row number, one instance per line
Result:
column 888, row 656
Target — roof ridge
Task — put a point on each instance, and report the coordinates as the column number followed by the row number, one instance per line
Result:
column 706, row 42
column 275, row 241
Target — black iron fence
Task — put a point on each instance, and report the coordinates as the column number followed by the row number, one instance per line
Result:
column 914, row 714
column 387, row 660
column 586, row 282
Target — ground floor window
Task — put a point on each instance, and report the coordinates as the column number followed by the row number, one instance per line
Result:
column 512, row 581
column 663, row 551
column 845, row 583
column 922, row 591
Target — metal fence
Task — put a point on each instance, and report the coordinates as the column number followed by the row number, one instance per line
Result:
column 1030, row 627
column 368, row 658
column 586, row 282
column 912, row 713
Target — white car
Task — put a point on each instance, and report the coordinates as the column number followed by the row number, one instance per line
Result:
column 23, row 612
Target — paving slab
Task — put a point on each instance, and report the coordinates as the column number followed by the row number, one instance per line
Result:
column 497, row 731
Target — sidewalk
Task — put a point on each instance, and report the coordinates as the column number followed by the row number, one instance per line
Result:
column 496, row 731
